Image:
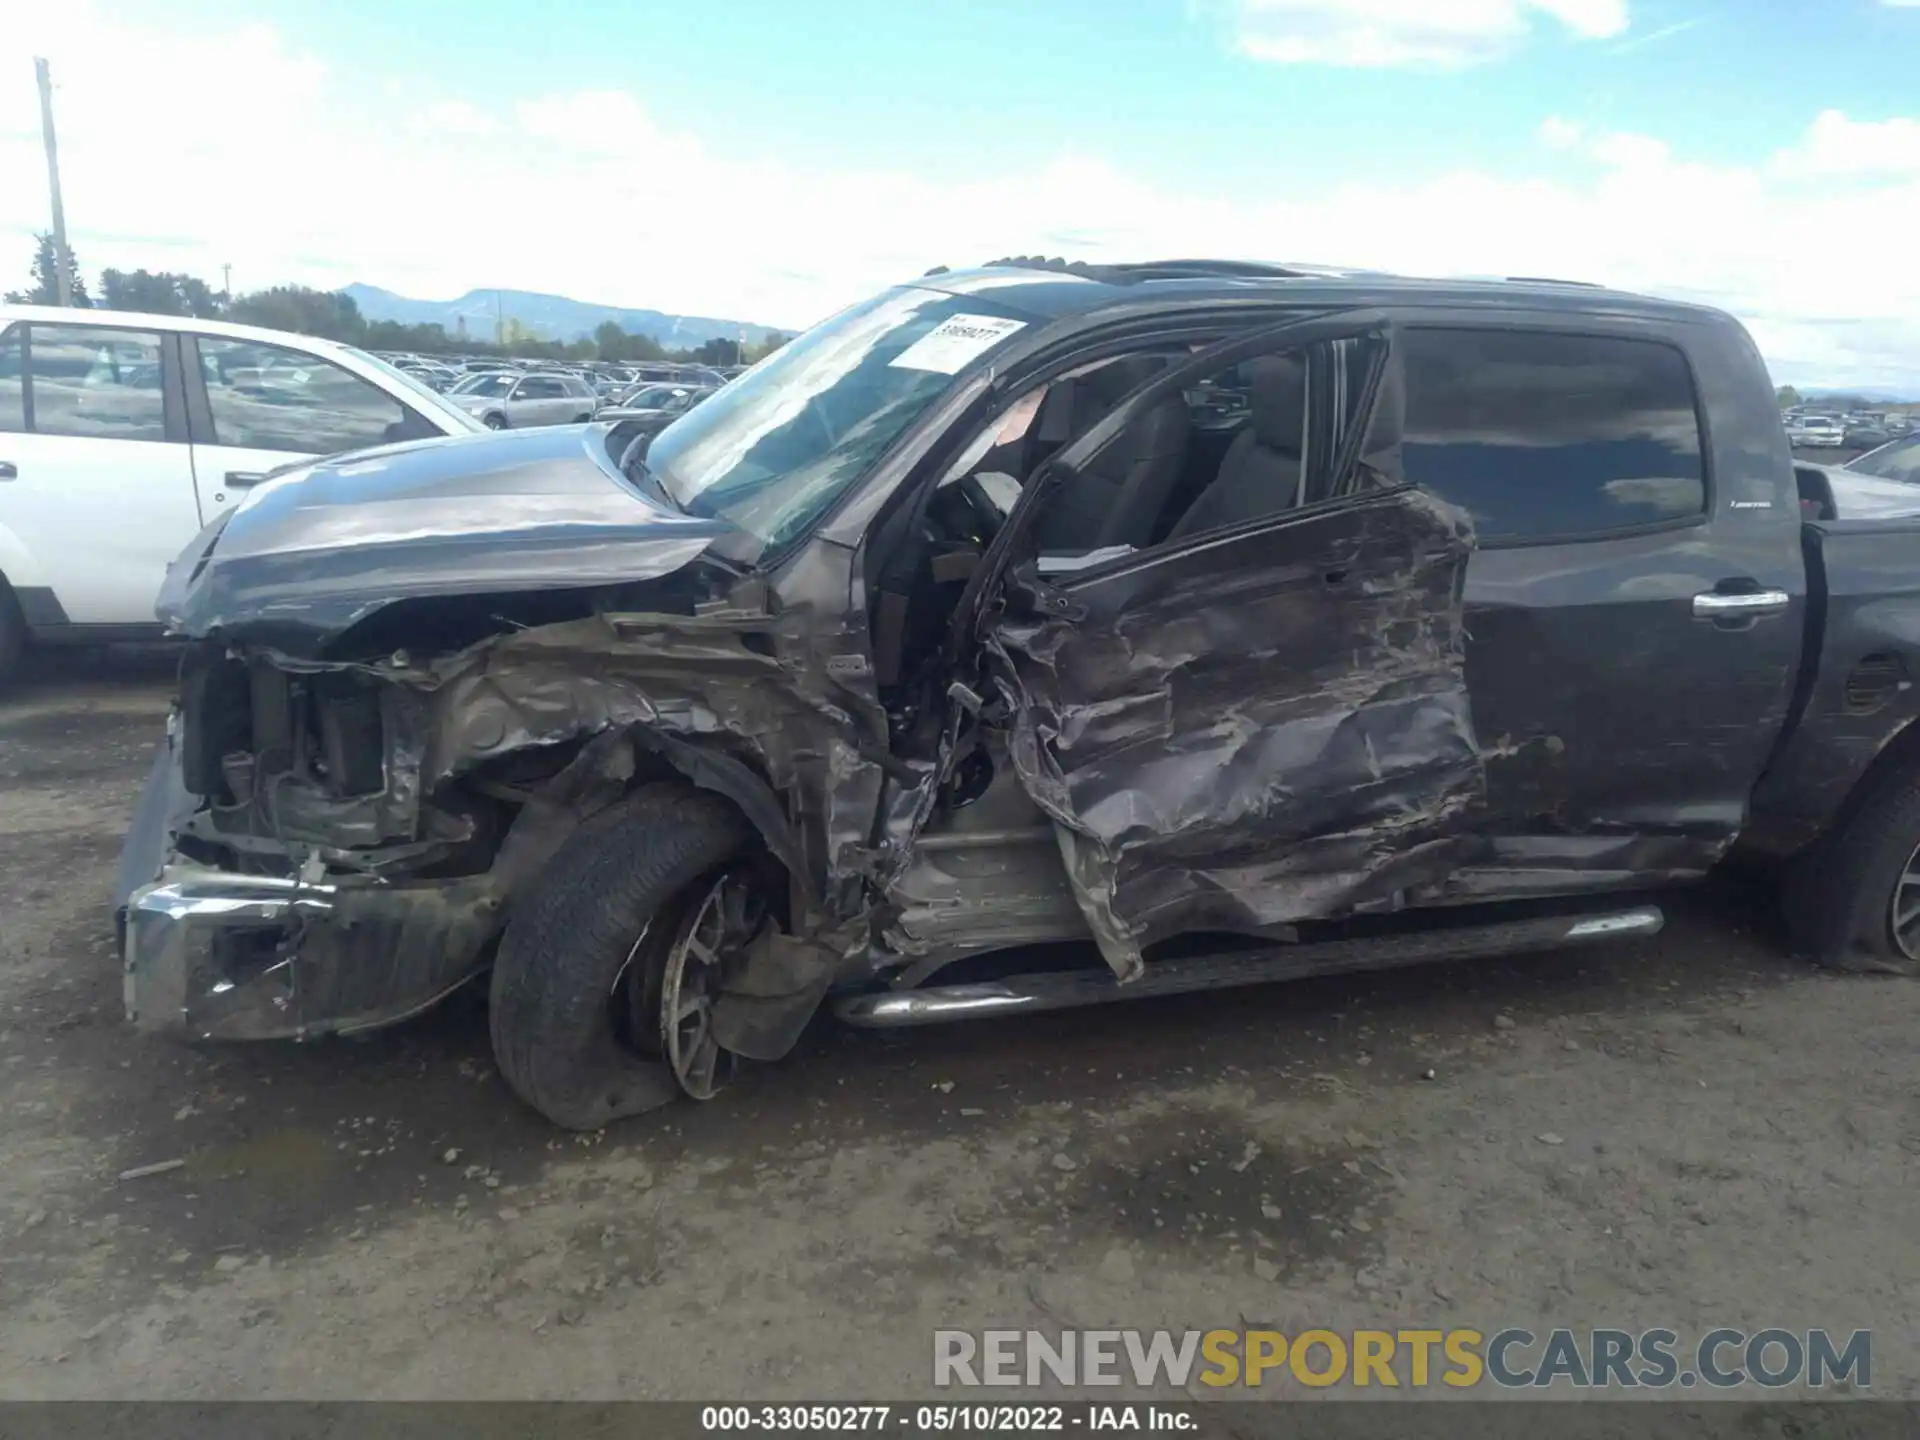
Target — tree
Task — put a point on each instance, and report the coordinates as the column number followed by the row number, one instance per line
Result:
column 303, row 310
column 162, row 292
column 610, row 340
column 718, row 351
column 45, row 289
column 754, row 354
column 1786, row 396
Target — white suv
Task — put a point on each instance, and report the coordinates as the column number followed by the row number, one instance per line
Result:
column 121, row 435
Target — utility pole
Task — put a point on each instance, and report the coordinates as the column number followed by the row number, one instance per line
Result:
column 62, row 257
column 226, row 282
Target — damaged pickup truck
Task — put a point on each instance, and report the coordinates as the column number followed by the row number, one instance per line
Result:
column 1025, row 637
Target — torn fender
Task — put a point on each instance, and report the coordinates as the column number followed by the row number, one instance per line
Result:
column 1265, row 726
column 769, row 710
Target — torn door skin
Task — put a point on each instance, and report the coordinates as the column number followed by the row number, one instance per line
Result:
column 1237, row 747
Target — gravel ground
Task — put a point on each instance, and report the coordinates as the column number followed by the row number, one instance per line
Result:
column 1690, row 1131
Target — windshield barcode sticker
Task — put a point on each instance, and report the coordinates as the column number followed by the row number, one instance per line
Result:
column 956, row 342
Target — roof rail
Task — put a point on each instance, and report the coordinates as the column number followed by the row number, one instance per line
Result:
column 1132, row 272
column 1553, row 280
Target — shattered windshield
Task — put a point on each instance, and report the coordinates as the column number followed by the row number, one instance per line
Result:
column 771, row 451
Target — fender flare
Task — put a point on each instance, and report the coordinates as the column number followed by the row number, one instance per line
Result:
column 734, row 779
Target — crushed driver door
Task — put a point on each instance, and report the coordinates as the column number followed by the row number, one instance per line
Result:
column 1258, row 723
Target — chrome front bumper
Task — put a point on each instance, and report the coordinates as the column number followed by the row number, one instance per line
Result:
column 212, row 955
column 177, row 978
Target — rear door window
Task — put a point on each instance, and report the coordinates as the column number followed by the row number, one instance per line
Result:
column 13, row 380
column 1543, row 436
column 94, row 383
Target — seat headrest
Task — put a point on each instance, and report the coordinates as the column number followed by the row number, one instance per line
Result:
column 1277, row 396
column 1105, row 387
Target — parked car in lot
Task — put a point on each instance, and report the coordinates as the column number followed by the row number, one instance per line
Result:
column 649, row 409
column 1817, row 431
column 122, row 434
column 952, row 662
column 503, row 400
column 1895, row 460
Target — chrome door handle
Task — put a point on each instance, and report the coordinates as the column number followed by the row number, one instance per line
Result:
column 1713, row 605
column 241, row 479
column 9, row 470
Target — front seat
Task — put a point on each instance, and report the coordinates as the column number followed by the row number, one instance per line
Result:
column 1260, row 473
column 1119, row 496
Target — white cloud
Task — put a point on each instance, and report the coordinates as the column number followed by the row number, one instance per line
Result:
column 1430, row 33
column 1558, row 133
column 455, row 117
column 1836, row 146
column 292, row 172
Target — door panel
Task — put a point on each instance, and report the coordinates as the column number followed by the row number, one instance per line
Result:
column 1251, row 728
column 1625, row 731
column 97, row 495
column 266, row 406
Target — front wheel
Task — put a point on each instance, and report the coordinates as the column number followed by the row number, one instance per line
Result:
column 496, row 422
column 1853, row 900
column 607, row 974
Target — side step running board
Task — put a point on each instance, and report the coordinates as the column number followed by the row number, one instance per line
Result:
column 1065, row 989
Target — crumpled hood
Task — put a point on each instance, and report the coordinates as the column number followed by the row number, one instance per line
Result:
column 320, row 547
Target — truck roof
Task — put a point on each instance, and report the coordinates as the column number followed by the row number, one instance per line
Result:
column 1057, row 289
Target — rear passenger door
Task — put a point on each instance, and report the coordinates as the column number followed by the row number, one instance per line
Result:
column 1632, row 634
column 96, row 480
column 539, row 400
column 256, row 406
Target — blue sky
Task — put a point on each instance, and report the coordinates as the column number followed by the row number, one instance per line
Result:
column 771, row 161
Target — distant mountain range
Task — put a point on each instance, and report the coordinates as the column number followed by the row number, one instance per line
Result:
column 1879, row 393
column 550, row 317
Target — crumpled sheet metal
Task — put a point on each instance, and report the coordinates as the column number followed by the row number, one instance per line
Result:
column 758, row 688
column 1236, row 747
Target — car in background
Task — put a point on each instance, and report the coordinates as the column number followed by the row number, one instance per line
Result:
column 1865, row 434
column 1817, row 431
column 430, row 373
column 651, row 408
column 1896, row 460
column 122, row 435
column 507, row 400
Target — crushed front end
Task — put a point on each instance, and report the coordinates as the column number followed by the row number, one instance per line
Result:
column 281, row 878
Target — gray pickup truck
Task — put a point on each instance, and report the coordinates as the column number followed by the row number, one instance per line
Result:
column 1023, row 637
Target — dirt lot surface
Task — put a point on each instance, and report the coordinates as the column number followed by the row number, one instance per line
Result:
column 1689, row 1132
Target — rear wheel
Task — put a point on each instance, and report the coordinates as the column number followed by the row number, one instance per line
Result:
column 604, row 986
column 1853, row 901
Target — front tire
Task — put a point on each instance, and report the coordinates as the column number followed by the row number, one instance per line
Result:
column 575, row 1026
column 495, row 422
column 1853, row 901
